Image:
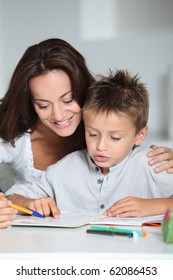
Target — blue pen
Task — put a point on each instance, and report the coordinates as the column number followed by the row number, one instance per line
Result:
column 27, row 211
column 35, row 213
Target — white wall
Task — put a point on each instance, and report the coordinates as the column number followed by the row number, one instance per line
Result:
column 141, row 41
column 25, row 22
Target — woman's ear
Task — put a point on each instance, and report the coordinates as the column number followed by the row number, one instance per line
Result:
column 141, row 135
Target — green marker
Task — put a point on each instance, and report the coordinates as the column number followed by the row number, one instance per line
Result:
column 167, row 227
column 123, row 230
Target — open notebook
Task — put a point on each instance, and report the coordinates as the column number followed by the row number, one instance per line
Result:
column 77, row 220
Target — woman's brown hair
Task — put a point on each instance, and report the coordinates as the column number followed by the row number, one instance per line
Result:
column 17, row 113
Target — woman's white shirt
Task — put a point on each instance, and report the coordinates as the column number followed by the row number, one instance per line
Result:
column 18, row 161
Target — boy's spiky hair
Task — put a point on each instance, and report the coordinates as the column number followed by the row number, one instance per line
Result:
column 122, row 93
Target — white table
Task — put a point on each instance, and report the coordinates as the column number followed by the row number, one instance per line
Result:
column 62, row 243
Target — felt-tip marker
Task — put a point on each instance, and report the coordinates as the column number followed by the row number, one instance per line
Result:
column 121, row 230
column 105, row 232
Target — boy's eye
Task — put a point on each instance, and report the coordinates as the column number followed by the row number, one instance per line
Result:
column 92, row 134
column 115, row 138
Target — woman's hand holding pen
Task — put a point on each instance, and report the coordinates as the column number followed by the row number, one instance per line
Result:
column 7, row 214
column 45, row 206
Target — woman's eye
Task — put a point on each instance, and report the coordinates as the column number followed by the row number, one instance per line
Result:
column 42, row 106
column 68, row 101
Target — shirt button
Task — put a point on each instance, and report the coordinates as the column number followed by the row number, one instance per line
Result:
column 99, row 181
column 102, row 206
column 97, row 168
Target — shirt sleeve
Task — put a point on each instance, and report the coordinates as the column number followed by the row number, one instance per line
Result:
column 7, row 152
column 37, row 189
column 164, row 183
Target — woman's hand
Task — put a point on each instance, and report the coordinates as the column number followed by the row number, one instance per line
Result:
column 162, row 155
column 7, row 214
column 45, row 206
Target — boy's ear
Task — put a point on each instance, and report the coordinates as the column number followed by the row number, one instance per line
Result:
column 141, row 135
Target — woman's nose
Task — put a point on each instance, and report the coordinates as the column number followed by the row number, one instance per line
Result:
column 57, row 112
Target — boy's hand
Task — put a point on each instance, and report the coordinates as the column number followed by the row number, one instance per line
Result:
column 45, row 206
column 161, row 154
column 132, row 207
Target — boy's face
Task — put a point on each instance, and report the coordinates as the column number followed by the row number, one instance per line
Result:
column 110, row 138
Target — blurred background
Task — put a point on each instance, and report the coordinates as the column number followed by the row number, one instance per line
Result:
column 136, row 35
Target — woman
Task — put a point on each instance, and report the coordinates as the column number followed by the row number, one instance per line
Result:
column 40, row 115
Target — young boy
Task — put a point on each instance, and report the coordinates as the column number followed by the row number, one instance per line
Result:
column 113, row 175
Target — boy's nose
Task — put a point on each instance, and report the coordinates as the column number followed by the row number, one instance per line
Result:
column 101, row 145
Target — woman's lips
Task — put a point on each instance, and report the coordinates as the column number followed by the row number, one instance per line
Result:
column 63, row 124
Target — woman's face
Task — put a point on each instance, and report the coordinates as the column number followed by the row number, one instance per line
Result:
column 54, row 103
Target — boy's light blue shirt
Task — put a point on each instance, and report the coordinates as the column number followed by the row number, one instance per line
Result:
column 78, row 185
